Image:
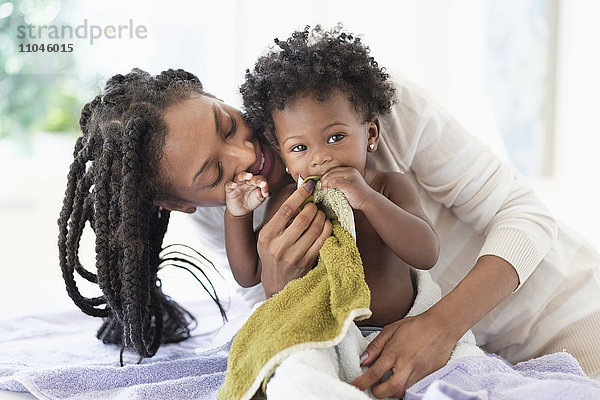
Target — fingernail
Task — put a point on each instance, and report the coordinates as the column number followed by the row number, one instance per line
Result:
column 363, row 357
column 310, row 185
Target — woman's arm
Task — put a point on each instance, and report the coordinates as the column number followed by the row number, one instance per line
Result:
column 401, row 346
column 456, row 170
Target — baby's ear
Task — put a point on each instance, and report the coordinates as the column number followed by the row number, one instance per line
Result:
column 373, row 129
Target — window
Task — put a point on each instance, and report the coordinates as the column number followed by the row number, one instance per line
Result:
column 519, row 77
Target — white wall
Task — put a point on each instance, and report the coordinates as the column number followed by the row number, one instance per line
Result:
column 573, row 193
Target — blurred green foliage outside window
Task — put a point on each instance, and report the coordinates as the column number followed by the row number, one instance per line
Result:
column 33, row 100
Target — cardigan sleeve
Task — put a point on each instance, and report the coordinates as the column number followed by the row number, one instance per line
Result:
column 457, row 170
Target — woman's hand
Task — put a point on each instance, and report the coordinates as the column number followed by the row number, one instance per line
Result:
column 244, row 193
column 351, row 183
column 289, row 243
column 417, row 346
column 411, row 349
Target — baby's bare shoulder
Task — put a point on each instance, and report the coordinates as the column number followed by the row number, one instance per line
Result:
column 388, row 183
column 400, row 189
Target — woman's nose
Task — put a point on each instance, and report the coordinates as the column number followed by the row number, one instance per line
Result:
column 242, row 154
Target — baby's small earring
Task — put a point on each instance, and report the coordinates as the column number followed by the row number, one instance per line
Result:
column 372, row 147
column 287, row 171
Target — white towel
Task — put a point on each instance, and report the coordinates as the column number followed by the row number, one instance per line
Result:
column 326, row 373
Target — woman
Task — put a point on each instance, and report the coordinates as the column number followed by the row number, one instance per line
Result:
column 154, row 144
column 144, row 150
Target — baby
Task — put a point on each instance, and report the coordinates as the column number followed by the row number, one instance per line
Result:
column 318, row 103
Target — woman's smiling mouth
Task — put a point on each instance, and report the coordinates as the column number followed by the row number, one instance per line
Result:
column 264, row 161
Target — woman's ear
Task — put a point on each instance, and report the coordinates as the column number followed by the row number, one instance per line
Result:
column 372, row 134
column 172, row 206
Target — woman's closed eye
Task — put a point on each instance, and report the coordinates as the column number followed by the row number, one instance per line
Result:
column 335, row 138
column 219, row 176
column 233, row 127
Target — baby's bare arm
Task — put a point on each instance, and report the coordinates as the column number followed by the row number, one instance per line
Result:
column 242, row 196
column 396, row 214
column 240, row 245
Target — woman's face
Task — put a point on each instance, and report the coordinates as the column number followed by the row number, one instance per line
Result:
column 206, row 145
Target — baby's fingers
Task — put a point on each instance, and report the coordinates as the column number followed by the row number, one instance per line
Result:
column 260, row 182
column 230, row 186
column 243, row 177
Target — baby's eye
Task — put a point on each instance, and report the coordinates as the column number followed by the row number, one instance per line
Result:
column 335, row 138
column 299, row 147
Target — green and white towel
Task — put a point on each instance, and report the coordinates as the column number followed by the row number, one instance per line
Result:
column 311, row 312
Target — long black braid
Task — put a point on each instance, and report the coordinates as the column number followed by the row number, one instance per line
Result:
column 113, row 184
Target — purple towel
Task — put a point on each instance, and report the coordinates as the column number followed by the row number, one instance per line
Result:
column 57, row 356
column 554, row 376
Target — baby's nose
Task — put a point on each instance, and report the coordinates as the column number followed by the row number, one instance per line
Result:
column 320, row 158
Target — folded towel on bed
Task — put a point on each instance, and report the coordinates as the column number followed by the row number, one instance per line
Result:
column 57, row 356
column 489, row 377
column 314, row 311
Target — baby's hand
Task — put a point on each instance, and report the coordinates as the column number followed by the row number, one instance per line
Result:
column 245, row 193
column 350, row 182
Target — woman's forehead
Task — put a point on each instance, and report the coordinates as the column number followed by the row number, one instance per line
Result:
column 189, row 123
column 194, row 112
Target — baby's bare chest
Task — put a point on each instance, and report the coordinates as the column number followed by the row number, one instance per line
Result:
column 372, row 248
column 387, row 276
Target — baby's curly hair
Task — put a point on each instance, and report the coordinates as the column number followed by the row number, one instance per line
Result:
column 314, row 62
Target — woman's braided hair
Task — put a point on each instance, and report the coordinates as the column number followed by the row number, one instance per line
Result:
column 314, row 62
column 113, row 183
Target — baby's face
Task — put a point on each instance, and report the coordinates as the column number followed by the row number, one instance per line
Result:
column 315, row 136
